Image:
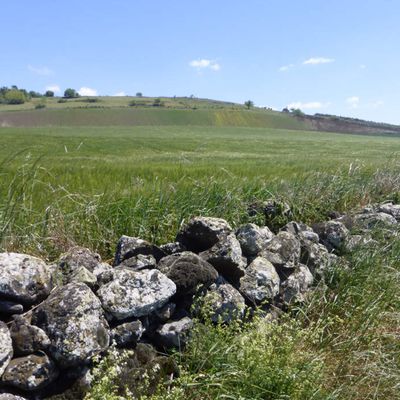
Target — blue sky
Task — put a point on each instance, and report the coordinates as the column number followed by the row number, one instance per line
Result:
column 339, row 57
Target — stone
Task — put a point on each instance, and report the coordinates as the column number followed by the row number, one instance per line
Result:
column 253, row 239
column 224, row 302
column 188, row 271
column 166, row 312
column 172, row 248
column 391, row 209
column 135, row 293
column 9, row 396
column 139, row 262
column 24, row 279
column 356, row 241
column 201, row 233
column 315, row 256
column 26, row 338
column 129, row 246
column 127, row 334
column 301, row 231
column 226, row 257
column 373, row 220
column 10, row 307
column 101, row 268
column 283, row 251
column 6, row 348
column 83, row 275
column 72, row 317
column 296, row 285
column 30, row 373
column 175, row 334
column 77, row 257
column 260, row 282
column 333, row 234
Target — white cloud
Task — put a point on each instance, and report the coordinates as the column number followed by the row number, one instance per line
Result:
column 86, row 91
column 318, row 60
column 353, row 101
column 40, row 70
column 204, row 63
column 285, row 68
column 54, row 88
column 310, row 105
column 119, row 94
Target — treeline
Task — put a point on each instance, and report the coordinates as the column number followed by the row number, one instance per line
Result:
column 15, row 95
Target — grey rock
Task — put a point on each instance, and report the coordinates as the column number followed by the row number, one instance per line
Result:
column 6, row 348
column 176, row 333
column 24, row 278
column 9, row 396
column 188, row 271
column 224, row 301
column 166, row 312
column 333, row 234
column 373, row 220
column 201, row 233
column 172, row 248
column 135, row 293
column 10, row 307
column 139, row 262
column 296, row 285
column 391, row 209
column 315, row 256
column 301, row 231
column 129, row 246
column 77, row 257
column 356, row 241
column 261, row 281
column 253, row 239
column 283, row 251
column 226, row 257
column 83, row 275
column 72, row 317
column 30, row 373
column 26, row 338
column 101, row 268
column 127, row 334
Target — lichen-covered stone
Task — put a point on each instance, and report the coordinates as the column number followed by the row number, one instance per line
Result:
column 139, row 262
column 72, row 317
column 175, row 333
column 226, row 257
column 188, row 271
column 173, row 248
column 253, row 238
column 201, row 233
column 390, row 208
column 25, row 279
column 135, row 293
column 296, row 285
column 77, row 257
column 6, row 348
column 301, row 231
column 373, row 220
column 260, row 282
column 333, row 234
column 127, row 334
column 30, row 373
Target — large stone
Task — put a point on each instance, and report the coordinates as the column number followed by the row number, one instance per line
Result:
column 253, row 239
column 127, row 334
column 296, row 285
column 135, row 293
column 77, row 257
column 226, row 257
column 333, row 234
column 315, row 256
column 371, row 220
column 301, row 231
column 201, row 233
column 261, row 281
column 27, row 339
column 9, row 396
column 6, row 348
column 30, row 373
column 175, row 334
column 10, row 307
column 390, row 208
column 139, row 262
column 188, row 271
column 283, row 251
column 128, row 247
column 172, row 248
column 72, row 317
column 24, row 278
column 224, row 302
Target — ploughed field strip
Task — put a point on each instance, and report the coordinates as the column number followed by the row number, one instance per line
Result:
column 55, row 319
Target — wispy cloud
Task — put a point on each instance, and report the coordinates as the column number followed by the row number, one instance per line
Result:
column 45, row 71
column 54, row 88
column 205, row 63
column 119, row 94
column 318, row 60
column 308, row 105
column 353, row 101
column 285, row 68
column 86, row 91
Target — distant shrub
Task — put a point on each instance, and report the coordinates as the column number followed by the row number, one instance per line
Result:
column 40, row 106
column 297, row 112
column 157, row 103
column 91, row 100
column 34, row 94
column 132, row 103
column 248, row 104
column 15, row 96
column 49, row 93
column 70, row 93
column 62, row 101
column 139, row 94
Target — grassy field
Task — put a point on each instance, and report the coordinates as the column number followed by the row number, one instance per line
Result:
column 87, row 185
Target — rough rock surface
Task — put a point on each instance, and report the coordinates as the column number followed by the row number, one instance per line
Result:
column 175, row 334
column 30, row 373
column 10, row 307
column 127, row 334
column 24, row 278
column 296, row 285
column 26, row 338
column 9, row 396
column 139, row 262
column 6, row 348
column 302, row 231
column 224, row 302
column 128, row 247
column 77, row 257
column 373, row 220
column 261, row 281
column 390, row 208
column 315, row 256
column 333, row 234
column 226, row 257
column 135, row 293
column 72, row 318
column 253, row 239
column 201, row 233
column 172, row 248
column 188, row 271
